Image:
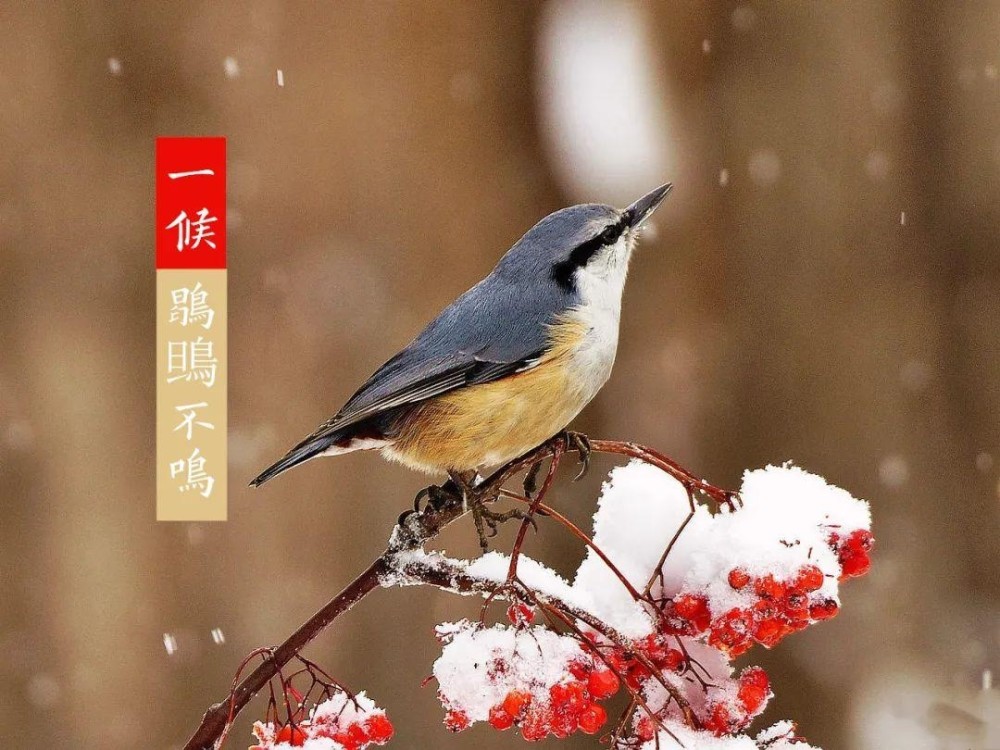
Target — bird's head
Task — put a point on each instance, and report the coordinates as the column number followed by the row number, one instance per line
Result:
column 582, row 248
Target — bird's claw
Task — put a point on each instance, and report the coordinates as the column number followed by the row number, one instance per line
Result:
column 581, row 444
column 436, row 496
column 530, row 483
column 488, row 522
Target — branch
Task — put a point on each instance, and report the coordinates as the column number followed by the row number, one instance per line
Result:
column 413, row 530
column 216, row 719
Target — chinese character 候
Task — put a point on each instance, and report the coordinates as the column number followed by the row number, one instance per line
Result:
column 202, row 230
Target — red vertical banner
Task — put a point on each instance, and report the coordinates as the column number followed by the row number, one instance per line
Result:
column 191, row 336
column 190, row 203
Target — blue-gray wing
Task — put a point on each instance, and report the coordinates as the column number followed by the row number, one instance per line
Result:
column 491, row 331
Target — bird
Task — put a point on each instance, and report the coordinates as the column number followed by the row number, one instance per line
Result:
column 509, row 364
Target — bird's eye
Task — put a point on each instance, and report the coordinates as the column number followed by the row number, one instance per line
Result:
column 609, row 235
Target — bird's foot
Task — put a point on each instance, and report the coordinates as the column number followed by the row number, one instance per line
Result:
column 438, row 497
column 488, row 521
column 581, row 444
column 530, row 483
column 562, row 442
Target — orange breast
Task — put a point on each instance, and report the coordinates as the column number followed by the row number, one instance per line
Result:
column 491, row 423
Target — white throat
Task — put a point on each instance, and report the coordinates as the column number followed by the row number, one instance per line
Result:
column 600, row 286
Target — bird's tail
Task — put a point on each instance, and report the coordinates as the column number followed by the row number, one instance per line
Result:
column 308, row 448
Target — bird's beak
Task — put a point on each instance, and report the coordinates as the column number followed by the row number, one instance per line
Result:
column 641, row 210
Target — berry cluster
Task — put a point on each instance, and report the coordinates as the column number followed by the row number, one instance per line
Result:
column 570, row 706
column 750, row 575
column 652, row 651
column 725, row 707
column 773, row 610
column 534, row 679
column 770, row 608
column 731, row 716
column 353, row 723
column 852, row 552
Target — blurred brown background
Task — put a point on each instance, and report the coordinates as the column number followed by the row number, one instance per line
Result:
column 822, row 286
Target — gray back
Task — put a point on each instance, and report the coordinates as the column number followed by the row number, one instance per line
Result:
column 500, row 321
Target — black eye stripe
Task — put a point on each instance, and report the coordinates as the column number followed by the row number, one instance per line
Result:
column 563, row 271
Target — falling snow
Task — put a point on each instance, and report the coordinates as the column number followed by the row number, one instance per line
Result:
column 877, row 165
column 170, row 644
column 764, row 167
column 743, row 18
column 893, row 471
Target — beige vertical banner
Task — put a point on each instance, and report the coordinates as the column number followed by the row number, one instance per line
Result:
column 191, row 395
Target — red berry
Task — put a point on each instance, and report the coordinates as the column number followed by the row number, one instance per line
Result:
column 500, row 719
column 379, row 728
column 689, row 606
column 603, row 684
column 637, row 674
column 718, row 720
column 855, row 564
column 674, row 660
column 751, row 697
column 520, row 613
column 294, row 736
column 559, row 694
column 738, row 578
column 764, row 610
column 576, row 696
column 645, row 730
column 823, row 610
column 754, row 689
column 617, row 660
column 768, row 632
column 861, row 539
column 755, row 676
column 515, row 702
column 456, row 720
column 564, row 722
column 654, row 648
column 809, row 578
column 536, row 725
column 357, row 733
column 592, row 718
column 796, row 607
column 579, row 670
column 768, row 588
column 695, row 610
column 731, row 631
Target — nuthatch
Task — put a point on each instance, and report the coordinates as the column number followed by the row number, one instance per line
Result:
column 508, row 364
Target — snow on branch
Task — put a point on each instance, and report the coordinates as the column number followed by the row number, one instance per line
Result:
column 679, row 578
